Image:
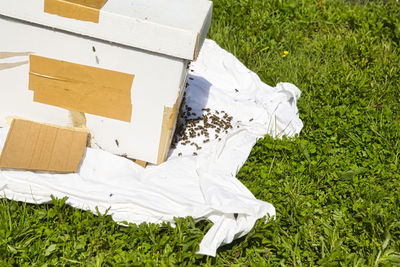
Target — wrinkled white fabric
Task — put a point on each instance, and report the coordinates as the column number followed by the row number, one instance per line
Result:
column 203, row 186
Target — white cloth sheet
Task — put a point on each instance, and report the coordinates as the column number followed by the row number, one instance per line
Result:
column 202, row 186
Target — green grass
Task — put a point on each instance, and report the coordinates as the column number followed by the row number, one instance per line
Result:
column 335, row 187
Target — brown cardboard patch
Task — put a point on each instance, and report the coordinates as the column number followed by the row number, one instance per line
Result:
column 37, row 146
column 81, row 88
column 86, row 10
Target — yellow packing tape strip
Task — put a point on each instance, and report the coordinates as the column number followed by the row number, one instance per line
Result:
column 86, row 10
column 81, row 88
column 170, row 116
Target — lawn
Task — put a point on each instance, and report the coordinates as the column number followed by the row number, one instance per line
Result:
column 336, row 186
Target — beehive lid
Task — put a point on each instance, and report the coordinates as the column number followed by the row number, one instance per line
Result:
column 172, row 27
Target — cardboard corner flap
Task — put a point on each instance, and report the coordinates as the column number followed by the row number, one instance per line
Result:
column 42, row 147
column 85, row 10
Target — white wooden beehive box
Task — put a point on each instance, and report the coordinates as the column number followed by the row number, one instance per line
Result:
column 117, row 67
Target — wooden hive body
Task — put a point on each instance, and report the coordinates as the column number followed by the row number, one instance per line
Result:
column 115, row 67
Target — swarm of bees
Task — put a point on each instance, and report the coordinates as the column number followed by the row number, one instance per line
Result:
column 212, row 124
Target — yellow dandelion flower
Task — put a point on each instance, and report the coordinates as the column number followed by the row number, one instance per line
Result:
column 285, row 53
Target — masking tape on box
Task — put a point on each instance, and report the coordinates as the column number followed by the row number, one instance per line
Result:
column 5, row 66
column 170, row 116
column 85, row 10
column 81, row 88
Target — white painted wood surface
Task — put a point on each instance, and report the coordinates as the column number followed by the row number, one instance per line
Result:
column 157, row 81
column 168, row 27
